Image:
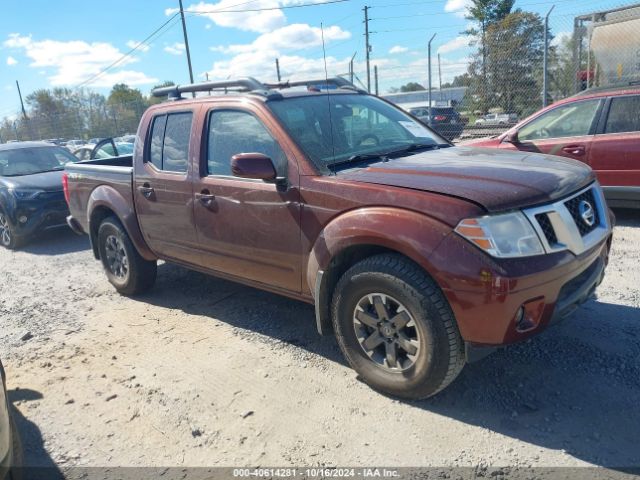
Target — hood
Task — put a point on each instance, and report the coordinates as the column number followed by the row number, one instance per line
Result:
column 47, row 181
column 496, row 179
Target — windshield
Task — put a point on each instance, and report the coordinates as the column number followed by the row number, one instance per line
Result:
column 362, row 126
column 31, row 160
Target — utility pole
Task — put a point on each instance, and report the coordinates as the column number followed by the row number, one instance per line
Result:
column 439, row 78
column 431, row 40
column 278, row 69
column 375, row 76
column 186, row 44
column 545, row 57
column 351, row 67
column 367, row 46
column 24, row 112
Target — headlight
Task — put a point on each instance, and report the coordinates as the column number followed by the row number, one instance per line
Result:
column 506, row 235
column 25, row 194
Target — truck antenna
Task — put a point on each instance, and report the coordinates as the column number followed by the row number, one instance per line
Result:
column 326, row 77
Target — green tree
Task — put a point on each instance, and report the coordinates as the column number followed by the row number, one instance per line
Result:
column 483, row 14
column 151, row 100
column 507, row 72
column 125, row 107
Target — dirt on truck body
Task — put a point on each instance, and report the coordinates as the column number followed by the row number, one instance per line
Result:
column 419, row 256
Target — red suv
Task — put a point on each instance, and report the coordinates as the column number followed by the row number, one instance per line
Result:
column 600, row 127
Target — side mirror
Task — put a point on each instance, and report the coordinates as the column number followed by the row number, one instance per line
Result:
column 511, row 137
column 253, row 165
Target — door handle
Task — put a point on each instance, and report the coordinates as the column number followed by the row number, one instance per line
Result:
column 146, row 190
column 205, row 197
column 577, row 150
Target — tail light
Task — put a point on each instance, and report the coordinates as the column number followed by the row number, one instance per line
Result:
column 65, row 186
column 439, row 118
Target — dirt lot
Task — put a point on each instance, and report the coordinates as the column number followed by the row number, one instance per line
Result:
column 205, row 372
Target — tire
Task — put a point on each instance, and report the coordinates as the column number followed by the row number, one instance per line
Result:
column 8, row 237
column 126, row 270
column 434, row 354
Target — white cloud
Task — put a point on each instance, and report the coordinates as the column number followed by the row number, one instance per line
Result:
column 292, row 67
column 262, row 22
column 398, row 49
column 175, row 49
column 11, row 61
column 295, row 36
column 76, row 61
column 208, row 26
column 457, row 7
column 454, row 44
column 560, row 38
column 134, row 43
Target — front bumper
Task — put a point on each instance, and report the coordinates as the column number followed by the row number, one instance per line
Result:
column 486, row 296
column 29, row 218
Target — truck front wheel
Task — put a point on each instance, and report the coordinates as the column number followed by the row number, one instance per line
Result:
column 396, row 328
column 127, row 271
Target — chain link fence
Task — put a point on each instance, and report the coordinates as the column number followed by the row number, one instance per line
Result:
column 517, row 62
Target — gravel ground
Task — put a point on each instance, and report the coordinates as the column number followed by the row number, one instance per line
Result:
column 204, row 372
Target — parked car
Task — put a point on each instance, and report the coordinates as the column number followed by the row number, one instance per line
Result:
column 446, row 121
column 419, row 255
column 498, row 119
column 104, row 149
column 31, row 194
column 129, row 138
column 600, row 127
column 10, row 451
column 73, row 144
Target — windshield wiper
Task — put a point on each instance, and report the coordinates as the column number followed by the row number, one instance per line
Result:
column 384, row 156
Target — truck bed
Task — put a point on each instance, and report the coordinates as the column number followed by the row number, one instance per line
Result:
column 97, row 178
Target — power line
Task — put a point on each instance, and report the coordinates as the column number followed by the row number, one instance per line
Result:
column 123, row 57
column 269, row 8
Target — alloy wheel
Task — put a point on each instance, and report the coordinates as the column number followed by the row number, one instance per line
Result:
column 386, row 331
column 5, row 230
column 117, row 259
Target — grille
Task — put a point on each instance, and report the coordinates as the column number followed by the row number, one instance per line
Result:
column 547, row 228
column 573, row 206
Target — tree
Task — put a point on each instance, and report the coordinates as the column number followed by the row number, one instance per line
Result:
column 463, row 80
column 126, row 106
column 155, row 100
column 507, row 72
column 484, row 14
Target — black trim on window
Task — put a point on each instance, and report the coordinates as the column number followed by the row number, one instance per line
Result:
column 204, row 147
column 146, row 156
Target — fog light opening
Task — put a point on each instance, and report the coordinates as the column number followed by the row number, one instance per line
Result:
column 529, row 314
column 22, row 219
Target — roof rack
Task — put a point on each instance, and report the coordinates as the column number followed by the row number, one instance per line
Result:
column 251, row 85
column 338, row 82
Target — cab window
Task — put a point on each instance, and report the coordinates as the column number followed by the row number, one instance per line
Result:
column 232, row 132
column 169, row 145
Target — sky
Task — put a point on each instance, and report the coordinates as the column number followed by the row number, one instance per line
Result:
column 72, row 43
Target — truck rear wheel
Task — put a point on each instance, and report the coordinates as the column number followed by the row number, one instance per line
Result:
column 127, row 271
column 396, row 328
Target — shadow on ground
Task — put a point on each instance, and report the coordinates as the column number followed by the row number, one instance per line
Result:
column 574, row 388
column 57, row 242
column 34, row 461
column 627, row 217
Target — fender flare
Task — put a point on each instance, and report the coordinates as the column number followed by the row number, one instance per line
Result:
column 410, row 233
column 108, row 197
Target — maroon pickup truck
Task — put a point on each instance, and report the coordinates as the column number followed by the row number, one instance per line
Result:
column 418, row 255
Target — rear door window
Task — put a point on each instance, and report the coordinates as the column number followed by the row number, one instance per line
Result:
column 169, row 146
column 624, row 115
column 573, row 119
